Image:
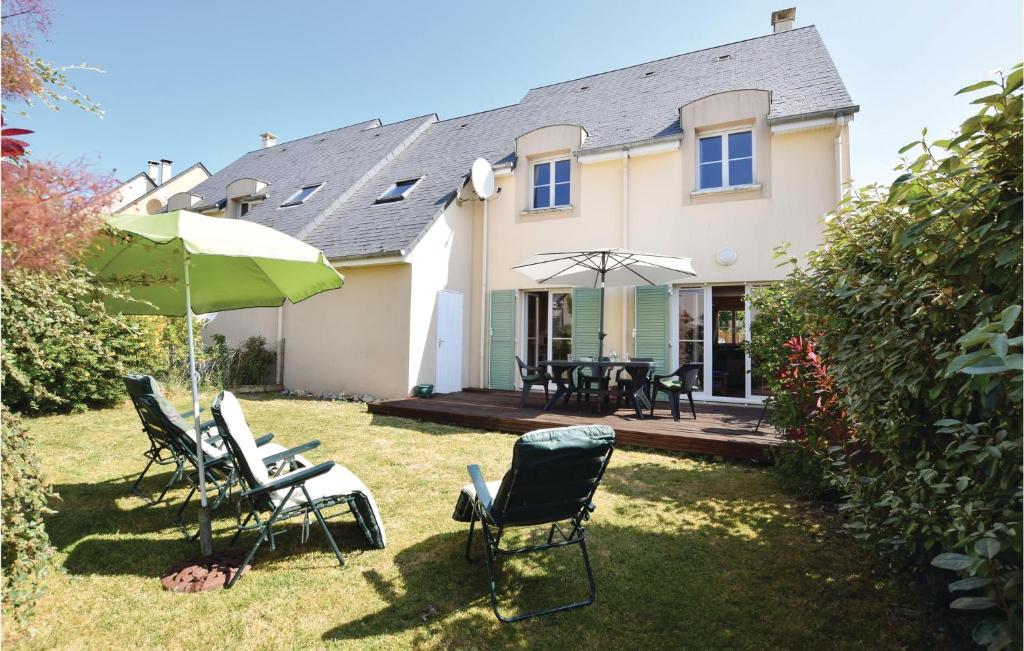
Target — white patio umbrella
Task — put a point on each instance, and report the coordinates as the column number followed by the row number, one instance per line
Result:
column 604, row 268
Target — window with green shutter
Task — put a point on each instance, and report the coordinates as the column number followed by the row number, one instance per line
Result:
column 502, row 348
column 652, row 325
column 586, row 321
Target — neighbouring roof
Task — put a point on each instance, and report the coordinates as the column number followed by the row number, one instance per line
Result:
column 359, row 162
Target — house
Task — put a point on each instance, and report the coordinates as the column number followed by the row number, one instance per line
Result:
column 718, row 155
column 147, row 192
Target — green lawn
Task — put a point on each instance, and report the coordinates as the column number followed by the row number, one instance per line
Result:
column 687, row 554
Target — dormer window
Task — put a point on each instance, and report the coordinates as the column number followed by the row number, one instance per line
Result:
column 398, row 191
column 726, row 160
column 300, row 196
column 243, row 209
column 551, row 184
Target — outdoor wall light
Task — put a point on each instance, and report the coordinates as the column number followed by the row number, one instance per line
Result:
column 726, row 256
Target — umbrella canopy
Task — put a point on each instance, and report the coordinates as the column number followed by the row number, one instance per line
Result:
column 613, row 267
column 604, row 268
column 233, row 264
column 181, row 263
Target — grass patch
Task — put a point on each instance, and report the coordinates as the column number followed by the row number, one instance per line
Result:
column 687, row 554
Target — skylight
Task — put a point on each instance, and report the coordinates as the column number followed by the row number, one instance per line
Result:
column 301, row 195
column 398, row 191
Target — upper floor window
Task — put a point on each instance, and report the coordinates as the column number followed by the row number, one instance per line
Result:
column 397, row 191
column 243, row 208
column 551, row 184
column 726, row 160
column 301, row 195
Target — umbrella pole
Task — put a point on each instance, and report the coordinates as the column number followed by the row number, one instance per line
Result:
column 600, row 330
column 205, row 530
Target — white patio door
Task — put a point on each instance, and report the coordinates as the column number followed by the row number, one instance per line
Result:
column 449, row 342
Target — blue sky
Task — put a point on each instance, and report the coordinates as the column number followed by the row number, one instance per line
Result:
column 194, row 81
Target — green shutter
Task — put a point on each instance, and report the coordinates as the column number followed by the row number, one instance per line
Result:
column 652, row 325
column 502, row 320
column 586, row 321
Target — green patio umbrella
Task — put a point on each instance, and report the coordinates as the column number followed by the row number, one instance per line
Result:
column 181, row 263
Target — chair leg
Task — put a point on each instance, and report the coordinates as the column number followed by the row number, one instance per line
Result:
column 323, row 525
column 693, row 410
column 492, row 555
column 674, row 404
column 469, row 539
column 546, row 389
column 526, row 392
column 135, row 487
column 265, row 533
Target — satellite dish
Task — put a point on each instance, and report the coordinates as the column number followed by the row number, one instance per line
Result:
column 482, row 177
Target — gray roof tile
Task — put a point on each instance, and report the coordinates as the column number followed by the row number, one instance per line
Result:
column 617, row 107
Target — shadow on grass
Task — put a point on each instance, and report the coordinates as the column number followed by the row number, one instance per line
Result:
column 437, row 585
column 148, row 556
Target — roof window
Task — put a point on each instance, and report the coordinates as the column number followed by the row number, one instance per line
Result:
column 301, row 195
column 397, row 191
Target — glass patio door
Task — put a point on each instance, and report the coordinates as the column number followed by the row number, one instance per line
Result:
column 547, row 326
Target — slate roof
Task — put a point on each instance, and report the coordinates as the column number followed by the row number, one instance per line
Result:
column 338, row 159
column 618, row 107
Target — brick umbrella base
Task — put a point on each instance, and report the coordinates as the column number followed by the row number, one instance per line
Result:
column 205, row 572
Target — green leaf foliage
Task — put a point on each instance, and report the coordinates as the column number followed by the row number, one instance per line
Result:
column 25, row 550
column 915, row 304
column 60, row 351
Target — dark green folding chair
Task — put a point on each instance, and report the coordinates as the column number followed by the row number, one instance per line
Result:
column 161, row 451
column 299, row 491
column 552, row 481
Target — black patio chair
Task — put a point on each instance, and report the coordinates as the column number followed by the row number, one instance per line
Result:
column 632, row 384
column 297, row 491
column 552, row 481
column 682, row 380
column 531, row 375
column 593, row 380
column 160, row 450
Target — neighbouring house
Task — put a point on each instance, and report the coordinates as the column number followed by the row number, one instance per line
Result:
column 147, row 192
column 719, row 155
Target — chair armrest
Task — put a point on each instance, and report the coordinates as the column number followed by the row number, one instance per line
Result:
column 263, row 440
column 190, row 413
column 482, row 494
column 288, row 454
column 292, row 478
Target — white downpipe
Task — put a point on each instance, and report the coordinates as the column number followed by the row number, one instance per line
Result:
column 625, row 244
column 483, row 297
column 280, row 339
column 205, row 533
column 840, row 121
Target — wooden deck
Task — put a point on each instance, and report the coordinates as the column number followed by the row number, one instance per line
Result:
column 720, row 430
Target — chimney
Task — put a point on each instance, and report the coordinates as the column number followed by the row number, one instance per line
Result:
column 268, row 139
column 165, row 171
column 153, row 170
column 783, row 19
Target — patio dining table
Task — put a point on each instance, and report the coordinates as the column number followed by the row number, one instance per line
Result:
column 563, row 374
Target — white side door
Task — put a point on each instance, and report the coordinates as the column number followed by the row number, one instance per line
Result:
column 449, row 342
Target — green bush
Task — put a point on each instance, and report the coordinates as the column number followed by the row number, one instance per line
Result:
column 60, row 351
column 25, row 548
column 800, row 463
column 250, row 364
column 914, row 300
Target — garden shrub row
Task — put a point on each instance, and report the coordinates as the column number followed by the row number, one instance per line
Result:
column 900, row 379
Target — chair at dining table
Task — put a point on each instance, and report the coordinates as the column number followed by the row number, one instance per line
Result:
column 593, row 379
column 633, row 380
